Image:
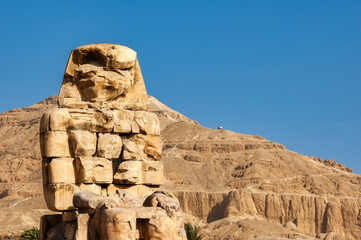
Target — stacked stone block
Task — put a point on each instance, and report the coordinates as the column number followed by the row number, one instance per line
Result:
column 99, row 151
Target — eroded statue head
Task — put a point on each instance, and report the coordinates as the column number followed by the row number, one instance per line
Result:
column 103, row 76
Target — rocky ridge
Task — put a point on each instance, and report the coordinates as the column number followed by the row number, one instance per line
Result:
column 229, row 183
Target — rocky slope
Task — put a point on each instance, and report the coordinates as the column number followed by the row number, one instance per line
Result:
column 235, row 186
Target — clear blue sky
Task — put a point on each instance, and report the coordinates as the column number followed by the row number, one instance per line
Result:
column 286, row 70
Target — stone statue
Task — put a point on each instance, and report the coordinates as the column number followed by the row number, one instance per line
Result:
column 101, row 153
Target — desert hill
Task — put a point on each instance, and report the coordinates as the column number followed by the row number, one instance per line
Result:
column 235, row 186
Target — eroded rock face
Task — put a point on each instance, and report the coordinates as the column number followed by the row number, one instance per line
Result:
column 102, row 153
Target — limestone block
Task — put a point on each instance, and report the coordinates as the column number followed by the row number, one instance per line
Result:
column 133, row 150
column 91, row 120
column 164, row 200
column 121, row 57
column 142, row 147
column 72, row 103
column 83, row 143
column 144, row 212
column 59, row 119
column 59, row 197
column 94, row 170
column 153, row 147
column 152, row 152
column 148, row 122
column 136, row 191
column 129, row 172
column 61, row 170
column 44, row 122
column 69, row 216
column 118, row 224
column 109, row 146
column 93, row 188
column 152, row 172
column 139, row 172
column 161, row 226
column 86, row 201
column 81, row 232
column 81, row 119
column 123, row 121
column 56, row 144
column 104, row 120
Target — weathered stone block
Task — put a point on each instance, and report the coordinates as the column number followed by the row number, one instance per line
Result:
column 132, row 150
column 152, row 152
column 81, row 232
column 104, row 120
column 129, row 172
column 123, row 121
column 81, row 119
column 123, row 228
column 139, row 172
column 144, row 212
column 72, row 103
column 59, row 119
column 61, row 170
column 136, row 191
column 148, row 122
column 55, row 144
column 94, row 170
column 163, row 200
column 83, row 143
column 109, row 146
column 153, row 147
column 44, row 122
column 152, row 172
column 142, row 147
column 59, row 197
column 93, row 188
column 161, row 226
column 91, row 120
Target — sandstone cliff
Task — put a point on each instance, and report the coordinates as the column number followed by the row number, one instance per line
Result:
column 236, row 186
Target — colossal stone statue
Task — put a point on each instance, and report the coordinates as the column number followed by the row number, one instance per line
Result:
column 101, row 153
